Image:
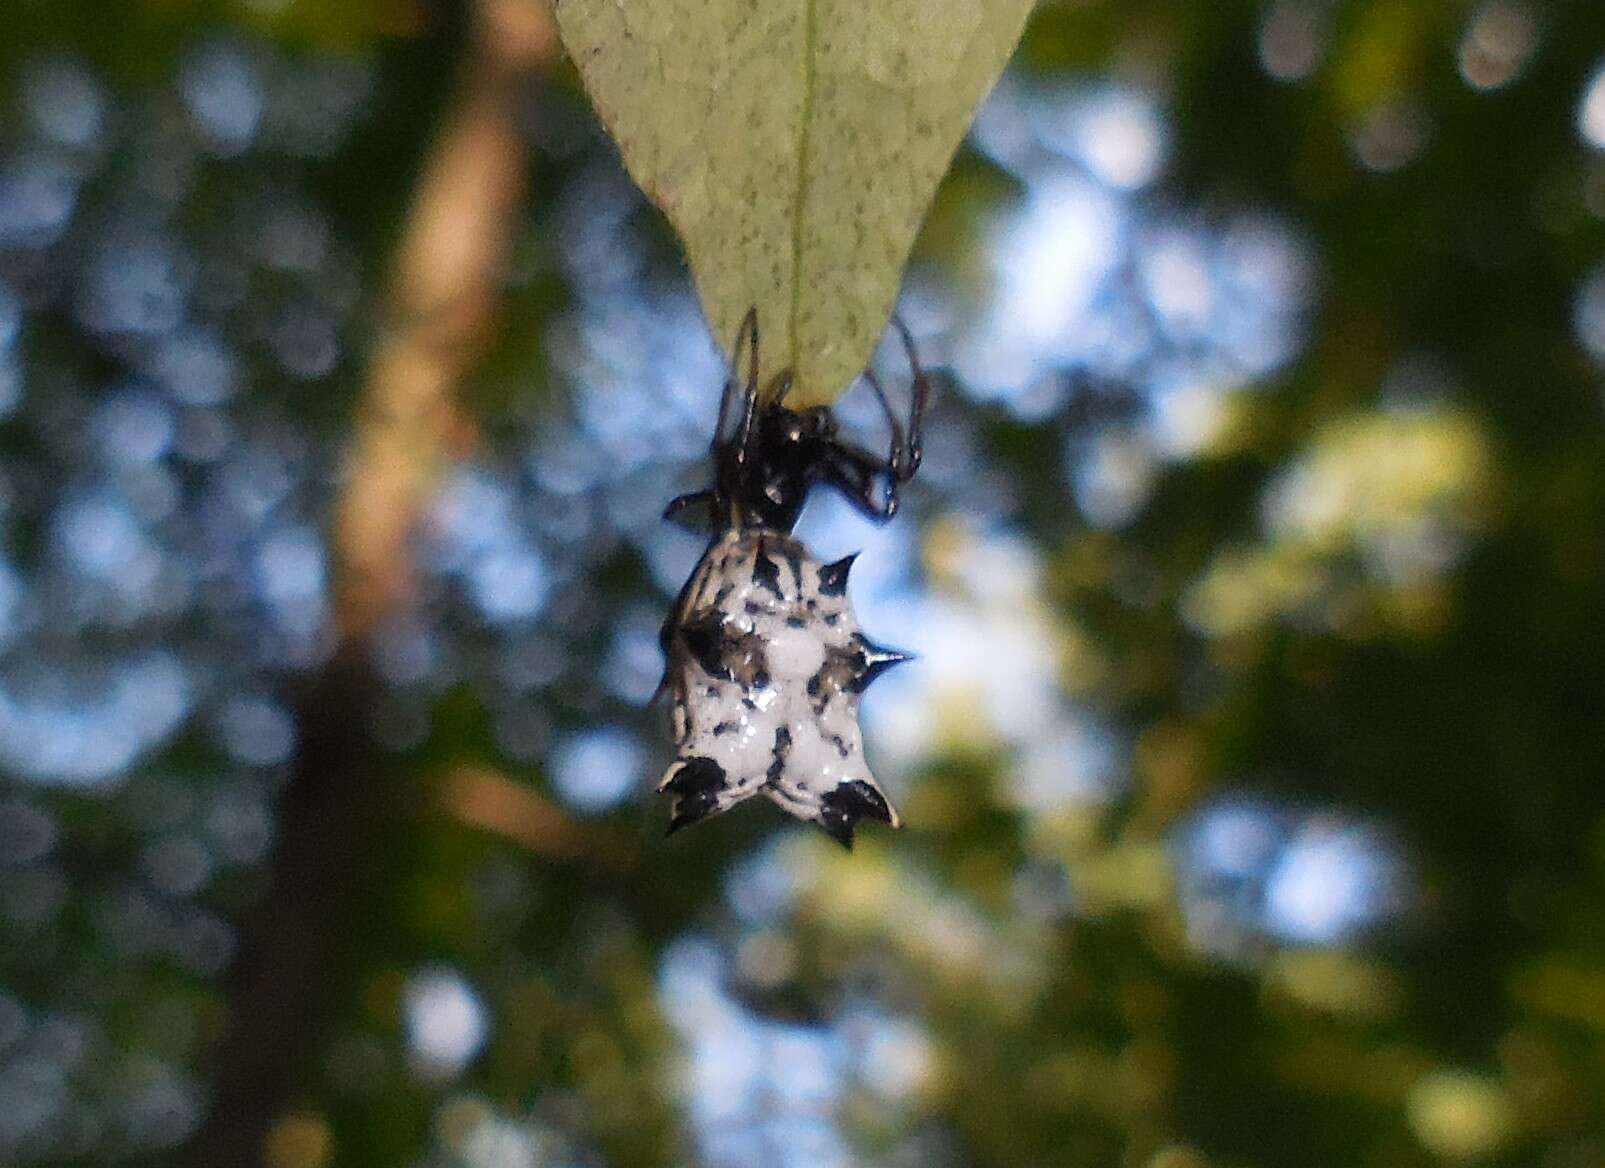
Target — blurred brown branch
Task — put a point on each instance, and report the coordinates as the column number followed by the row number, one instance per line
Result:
column 442, row 300
column 346, row 806
column 492, row 802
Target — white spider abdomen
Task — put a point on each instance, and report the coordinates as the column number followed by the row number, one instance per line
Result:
column 795, row 655
column 765, row 667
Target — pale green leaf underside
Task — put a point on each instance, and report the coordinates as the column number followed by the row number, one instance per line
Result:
column 794, row 145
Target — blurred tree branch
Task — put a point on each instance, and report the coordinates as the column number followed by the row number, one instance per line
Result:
column 442, row 301
column 346, row 807
column 492, row 802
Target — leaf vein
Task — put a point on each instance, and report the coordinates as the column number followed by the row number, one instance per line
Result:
column 805, row 124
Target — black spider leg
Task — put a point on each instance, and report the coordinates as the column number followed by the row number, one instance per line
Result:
column 716, row 497
column 914, row 448
column 748, row 332
column 680, row 504
column 897, row 461
column 733, row 457
column 856, row 472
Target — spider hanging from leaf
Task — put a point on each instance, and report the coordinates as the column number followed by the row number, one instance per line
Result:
column 765, row 660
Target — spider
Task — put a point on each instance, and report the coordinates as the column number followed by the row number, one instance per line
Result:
column 765, row 663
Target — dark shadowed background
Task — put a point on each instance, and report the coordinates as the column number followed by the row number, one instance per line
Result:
column 1251, row 770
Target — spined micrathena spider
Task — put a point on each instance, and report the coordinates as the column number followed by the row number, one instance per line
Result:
column 765, row 661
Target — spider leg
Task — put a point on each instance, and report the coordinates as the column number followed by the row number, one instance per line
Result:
column 857, row 474
column 894, row 460
column 746, row 334
column 746, row 452
column 913, row 448
column 749, row 397
column 731, row 457
column 680, row 504
column 780, row 387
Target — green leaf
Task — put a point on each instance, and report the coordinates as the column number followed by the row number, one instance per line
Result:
column 795, row 146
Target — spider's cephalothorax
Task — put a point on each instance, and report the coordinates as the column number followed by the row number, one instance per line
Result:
column 765, row 661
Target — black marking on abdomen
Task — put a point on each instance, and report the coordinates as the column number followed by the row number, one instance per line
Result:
column 843, row 807
column 696, row 787
column 704, row 637
column 777, row 763
column 766, row 573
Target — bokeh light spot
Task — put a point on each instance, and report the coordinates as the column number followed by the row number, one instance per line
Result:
column 445, row 1020
column 594, row 769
